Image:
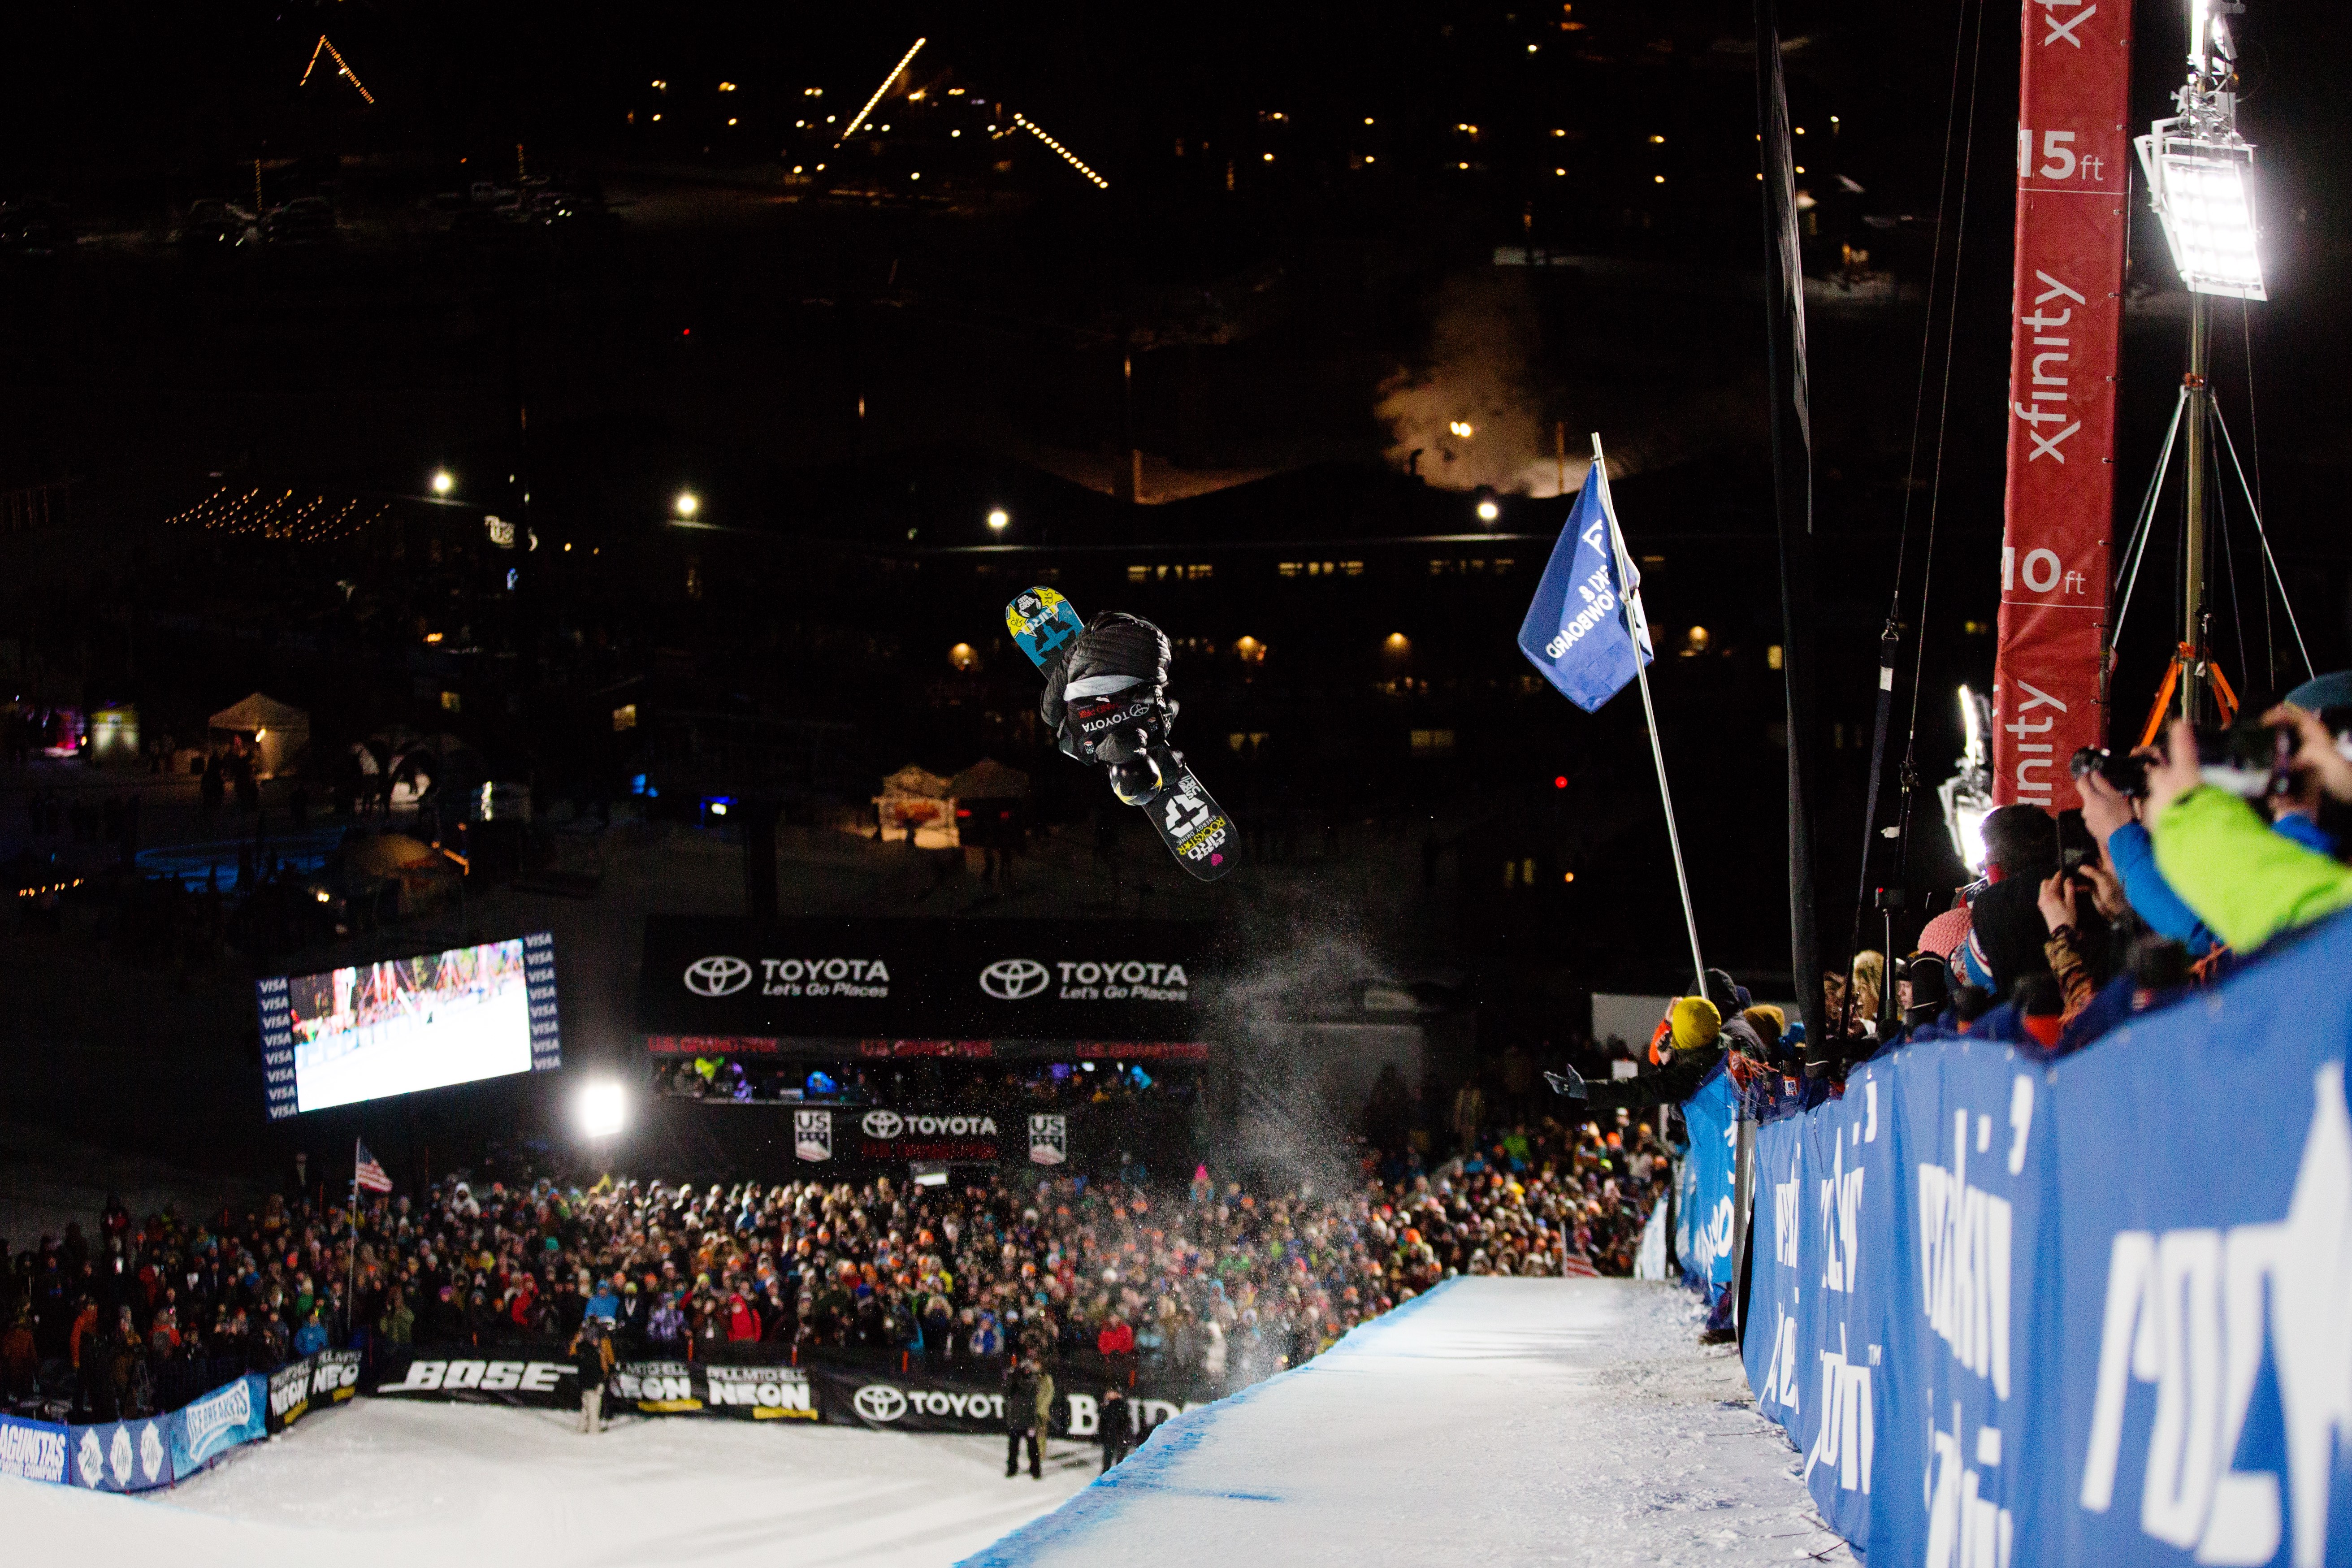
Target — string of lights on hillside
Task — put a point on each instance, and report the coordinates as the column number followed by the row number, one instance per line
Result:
column 1068, row 157
column 337, row 56
column 858, row 118
column 279, row 515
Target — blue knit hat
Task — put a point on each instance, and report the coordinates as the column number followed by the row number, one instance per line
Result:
column 2323, row 691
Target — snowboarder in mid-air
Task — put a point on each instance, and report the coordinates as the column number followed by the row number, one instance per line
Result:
column 1107, row 702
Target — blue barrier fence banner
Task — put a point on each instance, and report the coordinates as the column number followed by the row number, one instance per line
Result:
column 232, row 1413
column 2201, row 1357
column 1703, row 1225
column 33, row 1450
column 2014, row 1313
column 124, row 1456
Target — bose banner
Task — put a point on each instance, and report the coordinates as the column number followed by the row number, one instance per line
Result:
column 538, row 1373
column 2073, row 158
column 2016, row 1312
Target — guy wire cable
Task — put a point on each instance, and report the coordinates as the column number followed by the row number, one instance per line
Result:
column 2230, row 563
column 1888, row 637
column 1944, row 401
column 2254, row 444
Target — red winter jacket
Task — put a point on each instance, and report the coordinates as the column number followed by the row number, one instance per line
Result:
column 1116, row 1339
column 742, row 1324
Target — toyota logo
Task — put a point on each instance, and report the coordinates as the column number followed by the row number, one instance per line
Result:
column 1014, row 979
column 881, row 1402
column 717, row 976
column 882, row 1124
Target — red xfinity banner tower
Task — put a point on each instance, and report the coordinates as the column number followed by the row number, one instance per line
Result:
column 2066, row 312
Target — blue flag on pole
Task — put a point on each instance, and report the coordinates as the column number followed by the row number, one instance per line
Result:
column 1581, row 632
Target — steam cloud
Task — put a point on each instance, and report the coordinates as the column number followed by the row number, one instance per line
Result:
column 1477, row 373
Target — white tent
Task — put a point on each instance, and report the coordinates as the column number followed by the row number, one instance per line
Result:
column 279, row 733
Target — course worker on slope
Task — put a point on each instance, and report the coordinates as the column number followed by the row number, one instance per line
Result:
column 592, row 1354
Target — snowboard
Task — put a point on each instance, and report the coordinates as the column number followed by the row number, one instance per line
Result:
column 1188, row 818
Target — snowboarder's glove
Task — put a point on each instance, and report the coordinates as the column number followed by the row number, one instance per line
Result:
column 1105, row 698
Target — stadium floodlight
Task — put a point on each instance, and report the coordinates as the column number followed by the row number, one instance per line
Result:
column 603, row 1107
column 442, row 483
column 2203, row 194
column 687, row 504
column 2201, row 171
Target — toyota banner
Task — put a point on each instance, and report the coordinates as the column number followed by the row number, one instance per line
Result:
column 972, row 988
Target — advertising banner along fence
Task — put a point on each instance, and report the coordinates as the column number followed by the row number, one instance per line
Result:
column 2065, row 319
column 203, row 1430
column 535, row 1372
column 2018, row 1312
column 314, row 1383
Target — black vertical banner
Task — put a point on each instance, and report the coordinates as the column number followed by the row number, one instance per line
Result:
column 1793, row 476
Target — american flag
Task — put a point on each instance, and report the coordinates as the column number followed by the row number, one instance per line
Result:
column 367, row 1171
column 1578, row 1267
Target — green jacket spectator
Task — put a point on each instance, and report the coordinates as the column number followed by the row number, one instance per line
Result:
column 2245, row 881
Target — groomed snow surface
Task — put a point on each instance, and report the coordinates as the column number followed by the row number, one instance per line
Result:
column 1552, row 1421
column 1539, row 1421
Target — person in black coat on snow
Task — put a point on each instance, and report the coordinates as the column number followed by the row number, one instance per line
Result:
column 1021, row 1416
column 1117, row 1426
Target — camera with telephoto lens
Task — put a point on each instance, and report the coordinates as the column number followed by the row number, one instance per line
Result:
column 2250, row 759
column 2127, row 773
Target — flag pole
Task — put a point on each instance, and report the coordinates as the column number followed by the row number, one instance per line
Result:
column 351, row 1289
column 1638, row 627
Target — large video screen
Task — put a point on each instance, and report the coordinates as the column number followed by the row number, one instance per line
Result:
column 408, row 1024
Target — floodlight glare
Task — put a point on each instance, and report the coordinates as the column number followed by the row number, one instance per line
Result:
column 603, row 1107
column 2203, row 196
column 999, row 519
column 687, row 503
column 442, row 482
column 2200, row 169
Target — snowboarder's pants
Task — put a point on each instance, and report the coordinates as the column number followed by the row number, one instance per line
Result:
column 592, row 1410
column 1013, row 1453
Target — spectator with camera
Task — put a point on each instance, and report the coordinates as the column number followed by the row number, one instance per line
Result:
column 2292, row 762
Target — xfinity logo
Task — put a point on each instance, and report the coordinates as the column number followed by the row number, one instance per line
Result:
column 881, row 1402
column 1014, row 979
column 717, row 976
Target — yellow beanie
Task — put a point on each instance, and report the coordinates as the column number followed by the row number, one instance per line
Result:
column 1695, row 1023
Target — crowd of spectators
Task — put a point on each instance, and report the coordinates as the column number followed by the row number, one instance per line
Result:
column 2183, row 862
column 1206, row 1282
